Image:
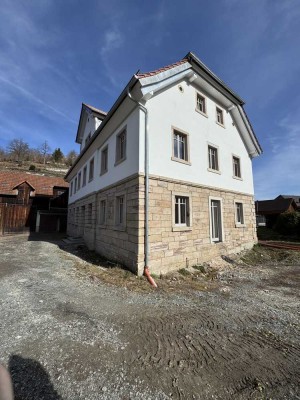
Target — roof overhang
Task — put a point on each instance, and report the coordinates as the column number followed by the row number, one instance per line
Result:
column 21, row 183
column 194, row 71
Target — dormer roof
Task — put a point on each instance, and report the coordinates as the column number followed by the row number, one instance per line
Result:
column 86, row 111
column 21, row 183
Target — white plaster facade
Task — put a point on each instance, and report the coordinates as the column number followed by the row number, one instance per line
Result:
column 169, row 99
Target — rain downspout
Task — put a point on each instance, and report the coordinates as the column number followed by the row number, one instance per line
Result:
column 146, row 266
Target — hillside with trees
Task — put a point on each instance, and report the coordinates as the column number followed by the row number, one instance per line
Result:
column 20, row 156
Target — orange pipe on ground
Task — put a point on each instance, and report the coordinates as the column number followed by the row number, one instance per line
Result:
column 149, row 277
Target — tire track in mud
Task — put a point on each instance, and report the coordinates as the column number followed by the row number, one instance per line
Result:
column 187, row 353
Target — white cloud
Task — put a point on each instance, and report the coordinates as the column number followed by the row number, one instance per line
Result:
column 112, row 41
column 32, row 97
column 279, row 172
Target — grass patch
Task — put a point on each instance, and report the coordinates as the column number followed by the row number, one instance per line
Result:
column 200, row 268
column 184, row 272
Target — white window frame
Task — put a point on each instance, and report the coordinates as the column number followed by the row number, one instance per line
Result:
column 220, row 112
column 120, row 225
column 84, row 175
column 239, row 224
column 79, row 181
column 187, row 226
column 216, row 148
column 233, row 167
column 104, row 169
column 211, row 221
column 119, row 157
column 92, row 161
column 102, row 218
column 89, row 213
column 185, row 136
column 198, row 94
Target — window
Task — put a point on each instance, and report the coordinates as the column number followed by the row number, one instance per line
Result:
column 104, row 160
column 71, row 189
column 215, row 220
column 84, row 176
column 180, row 146
column 121, row 146
column 102, row 217
column 213, row 162
column 236, row 167
column 182, row 214
column 181, row 211
column 239, row 213
column 79, row 181
column 120, row 210
column 89, row 213
column 201, row 104
column 220, row 118
column 75, row 186
column 91, row 171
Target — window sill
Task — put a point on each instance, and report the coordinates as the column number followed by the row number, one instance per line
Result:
column 237, row 177
column 215, row 171
column 90, row 180
column 103, row 172
column 121, row 228
column 181, row 161
column 222, row 125
column 181, row 228
column 120, row 161
column 237, row 225
column 201, row 112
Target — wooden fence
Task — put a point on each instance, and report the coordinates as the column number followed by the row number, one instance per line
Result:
column 14, row 218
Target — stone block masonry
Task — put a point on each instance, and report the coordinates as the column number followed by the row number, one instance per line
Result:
column 171, row 247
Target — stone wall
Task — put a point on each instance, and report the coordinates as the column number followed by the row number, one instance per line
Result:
column 172, row 249
column 117, row 243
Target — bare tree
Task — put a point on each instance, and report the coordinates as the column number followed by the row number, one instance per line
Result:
column 18, row 149
column 45, row 150
column 3, row 154
column 70, row 158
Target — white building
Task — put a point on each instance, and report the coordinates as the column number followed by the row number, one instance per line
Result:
column 164, row 179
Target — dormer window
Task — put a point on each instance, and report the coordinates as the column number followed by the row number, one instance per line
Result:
column 201, row 104
column 219, row 116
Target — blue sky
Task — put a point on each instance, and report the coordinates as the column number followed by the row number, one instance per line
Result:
column 54, row 55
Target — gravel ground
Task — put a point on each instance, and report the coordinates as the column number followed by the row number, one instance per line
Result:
column 66, row 337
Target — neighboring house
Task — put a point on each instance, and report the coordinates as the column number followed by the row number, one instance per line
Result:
column 267, row 211
column 32, row 202
column 295, row 198
column 165, row 178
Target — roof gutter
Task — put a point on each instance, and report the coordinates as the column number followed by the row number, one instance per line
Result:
column 146, row 231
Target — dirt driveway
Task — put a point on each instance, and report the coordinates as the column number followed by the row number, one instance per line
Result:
column 63, row 336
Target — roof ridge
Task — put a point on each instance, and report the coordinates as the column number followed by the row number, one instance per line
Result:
column 162, row 69
column 95, row 109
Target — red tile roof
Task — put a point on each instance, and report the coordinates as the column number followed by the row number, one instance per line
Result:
column 43, row 184
column 158, row 71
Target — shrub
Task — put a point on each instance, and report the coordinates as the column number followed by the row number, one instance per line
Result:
column 288, row 223
column 32, row 167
